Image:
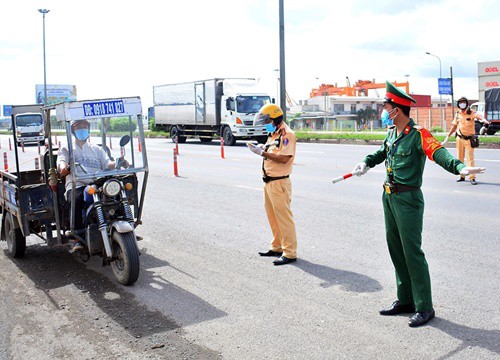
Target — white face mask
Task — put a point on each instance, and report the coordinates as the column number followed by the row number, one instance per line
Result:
column 462, row 105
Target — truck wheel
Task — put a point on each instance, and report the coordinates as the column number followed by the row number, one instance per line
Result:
column 174, row 133
column 125, row 264
column 228, row 137
column 205, row 140
column 16, row 242
column 261, row 139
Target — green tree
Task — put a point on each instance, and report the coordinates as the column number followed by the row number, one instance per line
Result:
column 152, row 126
column 121, row 125
column 365, row 115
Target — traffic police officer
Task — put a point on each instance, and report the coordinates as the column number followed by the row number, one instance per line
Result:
column 465, row 127
column 404, row 150
column 278, row 153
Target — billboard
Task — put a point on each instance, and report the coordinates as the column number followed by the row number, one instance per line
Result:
column 55, row 93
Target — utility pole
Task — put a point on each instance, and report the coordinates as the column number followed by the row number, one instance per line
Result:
column 43, row 12
column 282, row 60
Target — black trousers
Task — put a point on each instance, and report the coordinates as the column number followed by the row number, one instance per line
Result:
column 79, row 204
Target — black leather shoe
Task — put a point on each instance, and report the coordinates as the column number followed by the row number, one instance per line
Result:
column 460, row 179
column 421, row 318
column 473, row 181
column 397, row 308
column 283, row 261
column 270, row 253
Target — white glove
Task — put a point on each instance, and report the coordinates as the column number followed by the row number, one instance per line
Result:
column 469, row 170
column 256, row 149
column 445, row 140
column 361, row 169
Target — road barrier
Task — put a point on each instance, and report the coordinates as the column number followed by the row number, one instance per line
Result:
column 37, row 164
column 22, row 145
column 222, row 147
column 176, row 170
column 177, row 144
column 10, row 145
column 139, row 146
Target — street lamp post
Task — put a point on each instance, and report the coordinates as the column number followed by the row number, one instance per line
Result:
column 443, row 124
column 43, row 12
column 277, row 85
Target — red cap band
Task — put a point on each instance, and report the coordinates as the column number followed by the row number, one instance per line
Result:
column 398, row 100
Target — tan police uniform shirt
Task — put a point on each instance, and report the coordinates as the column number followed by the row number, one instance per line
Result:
column 287, row 144
column 465, row 122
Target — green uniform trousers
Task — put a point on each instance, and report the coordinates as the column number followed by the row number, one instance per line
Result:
column 403, row 215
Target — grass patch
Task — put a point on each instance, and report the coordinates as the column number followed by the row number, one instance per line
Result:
column 309, row 135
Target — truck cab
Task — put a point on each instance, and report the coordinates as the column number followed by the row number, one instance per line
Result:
column 238, row 114
column 29, row 128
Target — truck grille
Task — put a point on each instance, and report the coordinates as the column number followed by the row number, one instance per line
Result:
column 248, row 122
column 30, row 134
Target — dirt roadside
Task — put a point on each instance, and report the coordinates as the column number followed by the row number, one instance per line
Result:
column 54, row 307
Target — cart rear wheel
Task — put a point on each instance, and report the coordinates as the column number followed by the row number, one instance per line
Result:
column 126, row 258
column 16, row 242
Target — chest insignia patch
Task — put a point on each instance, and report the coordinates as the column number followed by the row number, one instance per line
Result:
column 285, row 142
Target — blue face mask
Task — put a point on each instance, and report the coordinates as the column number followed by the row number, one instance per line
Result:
column 270, row 128
column 385, row 118
column 82, row 134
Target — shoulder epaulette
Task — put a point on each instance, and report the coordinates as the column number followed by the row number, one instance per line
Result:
column 418, row 127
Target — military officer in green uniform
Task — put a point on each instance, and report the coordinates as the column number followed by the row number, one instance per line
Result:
column 403, row 151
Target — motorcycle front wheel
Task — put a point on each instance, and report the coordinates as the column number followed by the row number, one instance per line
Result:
column 126, row 258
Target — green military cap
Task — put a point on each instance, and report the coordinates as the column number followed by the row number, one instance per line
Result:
column 396, row 96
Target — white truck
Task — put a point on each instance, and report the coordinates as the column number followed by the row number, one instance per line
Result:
column 28, row 123
column 208, row 109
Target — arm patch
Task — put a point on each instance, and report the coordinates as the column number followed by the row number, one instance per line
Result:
column 429, row 143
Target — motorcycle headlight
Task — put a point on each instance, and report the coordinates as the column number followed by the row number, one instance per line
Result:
column 111, row 188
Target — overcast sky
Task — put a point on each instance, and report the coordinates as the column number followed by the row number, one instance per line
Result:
column 117, row 48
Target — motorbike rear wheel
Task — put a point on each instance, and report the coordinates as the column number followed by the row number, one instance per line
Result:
column 126, row 264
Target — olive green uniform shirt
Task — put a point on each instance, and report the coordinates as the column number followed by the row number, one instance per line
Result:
column 405, row 155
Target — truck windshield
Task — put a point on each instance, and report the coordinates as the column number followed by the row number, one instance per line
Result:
column 29, row 120
column 251, row 104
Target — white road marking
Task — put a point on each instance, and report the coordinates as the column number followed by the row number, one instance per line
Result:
column 248, row 187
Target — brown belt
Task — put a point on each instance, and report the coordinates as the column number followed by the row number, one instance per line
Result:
column 393, row 188
column 267, row 179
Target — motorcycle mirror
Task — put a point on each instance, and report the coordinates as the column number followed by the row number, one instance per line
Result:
column 124, row 140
